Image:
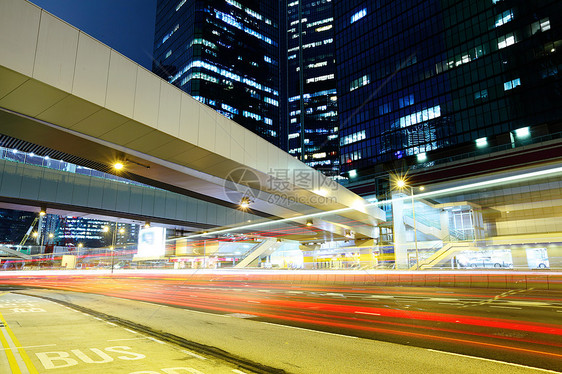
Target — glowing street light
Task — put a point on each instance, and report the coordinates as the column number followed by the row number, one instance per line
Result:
column 118, row 166
column 245, row 202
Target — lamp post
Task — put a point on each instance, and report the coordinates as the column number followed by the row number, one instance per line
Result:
column 401, row 184
column 112, row 248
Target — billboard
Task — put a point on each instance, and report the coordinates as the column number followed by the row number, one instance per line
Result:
column 152, row 242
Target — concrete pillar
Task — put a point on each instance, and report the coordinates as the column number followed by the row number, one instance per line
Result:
column 399, row 231
column 554, row 256
column 519, row 257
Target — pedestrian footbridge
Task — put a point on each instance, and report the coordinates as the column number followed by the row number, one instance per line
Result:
column 62, row 90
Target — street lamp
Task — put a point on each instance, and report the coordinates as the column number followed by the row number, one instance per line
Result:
column 401, row 184
column 112, row 248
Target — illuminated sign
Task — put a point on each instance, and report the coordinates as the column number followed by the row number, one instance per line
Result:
column 152, row 242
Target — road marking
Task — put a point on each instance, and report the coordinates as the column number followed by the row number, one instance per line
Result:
column 334, row 294
column 16, row 344
column 194, row 355
column 240, row 315
column 504, row 307
column 131, row 331
column 111, row 323
column 10, row 355
column 497, row 361
column 442, row 299
column 309, row 330
column 255, row 302
column 118, row 340
column 238, row 371
column 371, row 314
column 530, row 303
column 31, row 346
column 155, row 340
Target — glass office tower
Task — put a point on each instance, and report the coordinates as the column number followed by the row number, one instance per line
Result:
column 311, row 85
column 419, row 81
column 226, row 55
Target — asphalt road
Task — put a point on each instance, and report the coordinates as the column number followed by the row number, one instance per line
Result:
column 523, row 327
column 39, row 336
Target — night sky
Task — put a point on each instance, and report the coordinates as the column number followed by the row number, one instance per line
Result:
column 125, row 25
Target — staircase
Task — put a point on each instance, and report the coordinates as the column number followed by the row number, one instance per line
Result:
column 442, row 255
column 13, row 252
column 424, row 227
column 269, row 244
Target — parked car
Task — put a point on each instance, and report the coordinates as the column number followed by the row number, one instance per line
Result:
column 488, row 262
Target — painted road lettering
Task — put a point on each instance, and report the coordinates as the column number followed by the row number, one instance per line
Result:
column 61, row 359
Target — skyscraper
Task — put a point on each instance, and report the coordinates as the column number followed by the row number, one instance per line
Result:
column 311, row 85
column 226, row 55
column 425, row 80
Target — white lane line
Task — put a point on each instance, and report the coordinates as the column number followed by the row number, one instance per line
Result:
column 499, row 362
column 194, row 354
column 155, row 340
column 111, row 323
column 131, row 331
column 118, row 340
column 531, row 303
column 238, row 371
column 29, row 346
column 504, row 307
column 334, row 294
column 442, row 299
column 371, row 314
column 97, row 319
column 559, row 311
column 320, row 332
column 255, row 302
column 451, row 304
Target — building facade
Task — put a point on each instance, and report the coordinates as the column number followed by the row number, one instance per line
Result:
column 226, row 55
column 311, row 85
column 421, row 81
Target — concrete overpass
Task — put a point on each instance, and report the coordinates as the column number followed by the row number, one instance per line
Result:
column 63, row 90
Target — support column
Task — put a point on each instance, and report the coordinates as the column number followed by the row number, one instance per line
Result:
column 399, row 231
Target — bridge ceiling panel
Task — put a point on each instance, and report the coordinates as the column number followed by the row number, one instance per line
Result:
column 31, row 97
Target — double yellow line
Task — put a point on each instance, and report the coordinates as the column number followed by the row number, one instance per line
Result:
column 4, row 328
